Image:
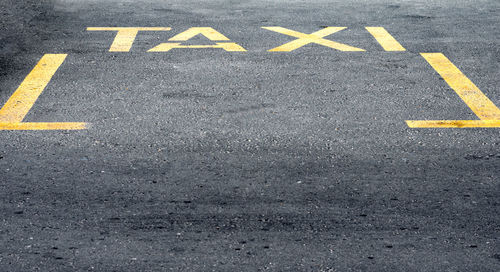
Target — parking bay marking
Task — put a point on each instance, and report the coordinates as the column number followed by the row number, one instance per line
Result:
column 20, row 103
column 468, row 92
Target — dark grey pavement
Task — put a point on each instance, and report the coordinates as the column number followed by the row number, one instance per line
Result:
column 207, row 160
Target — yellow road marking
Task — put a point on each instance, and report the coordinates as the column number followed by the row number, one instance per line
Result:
column 208, row 32
column 315, row 37
column 481, row 105
column 470, row 94
column 385, row 39
column 125, row 36
column 165, row 47
column 20, row 103
column 454, row 124
column 43, row 126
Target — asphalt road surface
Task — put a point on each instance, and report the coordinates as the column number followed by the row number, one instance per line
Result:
column 235, row 147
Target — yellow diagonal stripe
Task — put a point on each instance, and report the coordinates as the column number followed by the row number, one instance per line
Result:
column 19, row 104
column 385, row 39
column 468, row 92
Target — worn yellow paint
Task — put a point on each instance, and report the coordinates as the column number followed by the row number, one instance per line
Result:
column 315, row 37
column 165, row 47
column 208, row 32
column 125, row 36
column 454, row 124
column 43, row 126
column 476, row 100
column 20, row 103
column 385, row 39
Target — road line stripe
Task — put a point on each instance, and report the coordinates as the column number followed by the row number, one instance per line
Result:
column 43, row 126
column 454, row 124
column 476, row 100
column 20, row 103
column 385, row 39
column 468, row 92
column 23, row 99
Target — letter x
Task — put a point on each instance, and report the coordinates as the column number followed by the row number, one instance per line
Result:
column 315, row 37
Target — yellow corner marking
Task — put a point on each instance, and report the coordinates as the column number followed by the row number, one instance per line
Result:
column 476, row 100
column 208, row 32
column 43, row 126
column 165, row 47
column 385, row 39
column 304, row 39
column 20, row 103
column 470, row 94
column 125, row 36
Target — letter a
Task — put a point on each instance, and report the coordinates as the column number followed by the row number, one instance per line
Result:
column 208, row 32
